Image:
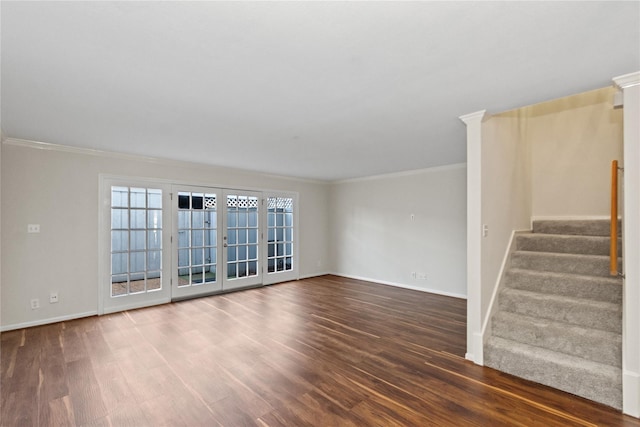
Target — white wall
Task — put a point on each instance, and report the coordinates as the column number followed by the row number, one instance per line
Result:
column 573, row 141
column 374, row 237
column 372, row 233
column 58, row 189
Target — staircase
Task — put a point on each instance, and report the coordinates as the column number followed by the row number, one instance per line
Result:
column 559, row 315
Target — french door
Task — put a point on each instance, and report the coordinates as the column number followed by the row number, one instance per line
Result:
column 241, row 225
column 195, row 241
column 134, row 264
column 280, row 246
column 162, row 242
column 216, row 240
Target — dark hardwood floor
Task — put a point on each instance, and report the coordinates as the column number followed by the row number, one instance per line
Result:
column 327, row 351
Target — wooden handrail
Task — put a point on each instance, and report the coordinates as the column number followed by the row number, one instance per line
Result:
column 613, row 253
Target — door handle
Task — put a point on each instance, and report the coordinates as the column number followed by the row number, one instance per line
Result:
column 224, row 245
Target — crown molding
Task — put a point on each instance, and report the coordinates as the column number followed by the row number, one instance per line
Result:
column 403, row 173
column 480, row 116
column 627, row 80
column 46, row 146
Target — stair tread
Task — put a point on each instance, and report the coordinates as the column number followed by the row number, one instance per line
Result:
column 554, row 274
column 563, row 255
column 542, row 322
column 592, row 380
column 600, row 315
column 530, row 351
column 565, row 243
column 562, row 298
column 583, row 264
column 598, row 288
column 561, row 236
column 600, row 227
column 576, row 340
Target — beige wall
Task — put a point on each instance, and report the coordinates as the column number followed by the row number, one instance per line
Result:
column 506, row 194
column 375, row 237
column 573, row 142
column 59, row 190
column 550, row 160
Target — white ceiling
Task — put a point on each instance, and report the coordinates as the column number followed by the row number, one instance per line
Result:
column 322, row 90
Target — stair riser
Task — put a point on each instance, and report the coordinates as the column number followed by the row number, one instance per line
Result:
column 582, row 228
column 565, row 244
column 578, row 314
column 570, row 379
column 565, row 264
column 607, row 349
column 577, row 287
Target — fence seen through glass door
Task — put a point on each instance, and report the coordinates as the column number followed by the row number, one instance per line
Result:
column 197, row 238
column 280, row 234
column 136, row 240
column 241, row 240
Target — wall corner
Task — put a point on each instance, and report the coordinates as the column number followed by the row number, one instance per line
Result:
column 473, row 122
column 630, row 86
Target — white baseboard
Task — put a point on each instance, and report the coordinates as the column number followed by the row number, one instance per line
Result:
column 631, row 394
column 402, row 285
column 41, row 322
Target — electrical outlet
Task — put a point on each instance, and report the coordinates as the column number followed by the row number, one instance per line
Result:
column 413, row 274
column 53, row 298
column 422, row 276
column 35, row 304
column 33, row 228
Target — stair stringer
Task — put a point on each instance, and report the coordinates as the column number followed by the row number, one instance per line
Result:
column 499, row 284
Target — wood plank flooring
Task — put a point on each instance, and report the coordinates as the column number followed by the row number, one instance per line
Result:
column 326, row 351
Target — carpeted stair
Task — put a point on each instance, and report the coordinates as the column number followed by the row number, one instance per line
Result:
column 559, row 315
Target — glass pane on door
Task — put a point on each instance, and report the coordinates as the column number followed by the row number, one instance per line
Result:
column 241, row 239
column 197, row 238
column 136, row 240
column 279, row 234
